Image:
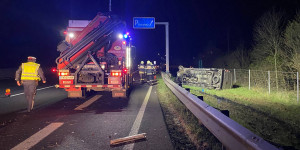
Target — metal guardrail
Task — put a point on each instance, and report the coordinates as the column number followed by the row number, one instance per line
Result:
column 231, row 134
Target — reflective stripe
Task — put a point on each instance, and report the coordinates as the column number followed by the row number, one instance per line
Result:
column 141, row 68
column 79, row 86
column 30, row 71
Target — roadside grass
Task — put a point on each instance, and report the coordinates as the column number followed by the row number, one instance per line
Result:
column 275, row 117
column 185, row 130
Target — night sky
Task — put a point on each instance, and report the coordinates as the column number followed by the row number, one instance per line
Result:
column 199, row 29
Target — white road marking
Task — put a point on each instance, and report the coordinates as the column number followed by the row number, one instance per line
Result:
column 37, row 90
column 88, row 103
column 137, row 123
column 16, row 94
column 37, row 137
column 45, row 88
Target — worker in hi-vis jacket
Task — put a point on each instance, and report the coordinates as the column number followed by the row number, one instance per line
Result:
column 28, row 75
column 149, row 71
column 141, row 68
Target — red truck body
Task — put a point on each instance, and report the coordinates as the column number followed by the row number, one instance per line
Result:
column 95, row 56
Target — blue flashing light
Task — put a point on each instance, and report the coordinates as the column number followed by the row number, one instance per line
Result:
column 125, row 36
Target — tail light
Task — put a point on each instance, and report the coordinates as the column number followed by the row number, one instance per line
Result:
column 116, row 74
column 54, row 70
column 125, row 70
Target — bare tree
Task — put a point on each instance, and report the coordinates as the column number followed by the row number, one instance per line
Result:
column 292, row 42
column 241, row 56
column 238, row 59
column 268, row 40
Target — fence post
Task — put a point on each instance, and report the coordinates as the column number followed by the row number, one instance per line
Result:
column 249, row 79
column 297, row 87
column 269, row 82
column 231, row 80
column 234, row 76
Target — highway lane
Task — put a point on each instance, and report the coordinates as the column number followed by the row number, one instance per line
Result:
column 59, row 126
column 46, row 94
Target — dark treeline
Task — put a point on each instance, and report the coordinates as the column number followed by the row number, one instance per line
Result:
column 275, row 47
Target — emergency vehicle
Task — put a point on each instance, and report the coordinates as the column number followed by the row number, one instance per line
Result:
column 95, row 55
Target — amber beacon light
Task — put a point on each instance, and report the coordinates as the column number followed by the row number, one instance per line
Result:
column 7, row 92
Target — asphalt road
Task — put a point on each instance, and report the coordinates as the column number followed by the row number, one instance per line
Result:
column 58, row 122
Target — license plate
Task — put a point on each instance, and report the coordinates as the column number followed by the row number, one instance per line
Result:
column 67, row 77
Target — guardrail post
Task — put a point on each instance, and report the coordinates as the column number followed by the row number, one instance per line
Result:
column 188, row 89
column 180, row 84
column 225, row 112
column 200, row 97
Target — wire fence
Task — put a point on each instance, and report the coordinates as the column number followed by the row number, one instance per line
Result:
column 271, row 81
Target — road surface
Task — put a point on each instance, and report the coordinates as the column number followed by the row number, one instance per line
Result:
column 58, row 122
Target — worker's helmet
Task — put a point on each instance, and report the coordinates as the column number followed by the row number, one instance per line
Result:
column 142, row 62
column 31, row 58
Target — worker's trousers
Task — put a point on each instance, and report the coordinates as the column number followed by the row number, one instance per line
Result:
column 30, row 92
column 142, row 76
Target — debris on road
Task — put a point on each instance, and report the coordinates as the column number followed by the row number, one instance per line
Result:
column 127, row 139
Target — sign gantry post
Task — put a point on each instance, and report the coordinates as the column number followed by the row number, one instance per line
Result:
column 167, row 43
column 149, row 23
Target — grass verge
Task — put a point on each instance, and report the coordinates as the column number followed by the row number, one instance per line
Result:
column 185, row 130
column 274, row 117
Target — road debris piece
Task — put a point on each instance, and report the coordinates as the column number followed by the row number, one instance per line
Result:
column 127, row 139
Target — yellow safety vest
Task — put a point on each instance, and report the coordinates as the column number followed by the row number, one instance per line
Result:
column 141, row 69
column 30, row 71
column 149, row 69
